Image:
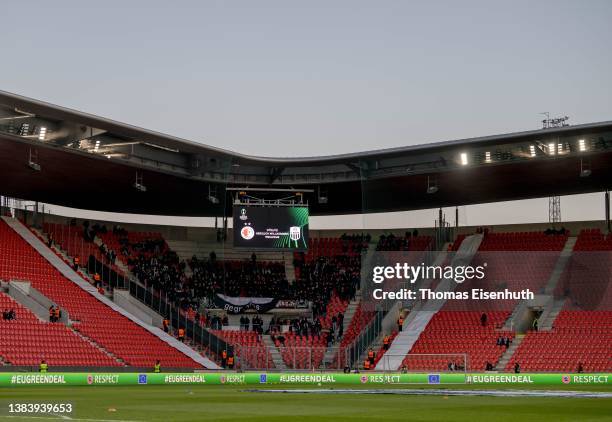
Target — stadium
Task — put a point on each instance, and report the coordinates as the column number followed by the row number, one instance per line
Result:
column 360, row 235
column 101, row 303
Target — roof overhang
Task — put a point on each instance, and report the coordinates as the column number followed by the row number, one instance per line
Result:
column 90, row 162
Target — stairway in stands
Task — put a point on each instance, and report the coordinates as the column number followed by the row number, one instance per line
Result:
column 275, row 353
column 418, row 320
column 93, row 314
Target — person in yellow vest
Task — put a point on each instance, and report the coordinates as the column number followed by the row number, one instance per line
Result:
column 157, row 367
column 400, row 323
column 75, row 263
column 181, row 334
column 43, row 367
column 366, row 364
column 371, row 356
column 386, row 342
column 230, row 362
column 224, row 359
column 97, row 280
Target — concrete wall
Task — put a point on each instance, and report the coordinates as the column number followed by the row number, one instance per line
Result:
column 136, row 308
column 35, row 301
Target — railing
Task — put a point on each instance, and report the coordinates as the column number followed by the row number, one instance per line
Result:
column 367, row 336
column 199, row 336
column 424, row 362
column 311, row 359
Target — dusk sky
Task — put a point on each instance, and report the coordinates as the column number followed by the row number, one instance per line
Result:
column 278, row 78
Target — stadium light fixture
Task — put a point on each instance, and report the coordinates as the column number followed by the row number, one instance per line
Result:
column 42, row 133
column 581, row 145
column 212, row 194
column 559, row 148
column 97, row 146
column 551, row 148
column 585, row 169
column 432, row 185
column 464, row 159
column 532, row 150
column 487, row 156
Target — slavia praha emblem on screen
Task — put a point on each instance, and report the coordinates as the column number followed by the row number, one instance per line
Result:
column 247, row 232
column 295, row 233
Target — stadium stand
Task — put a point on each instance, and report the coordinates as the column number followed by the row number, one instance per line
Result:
column 459, row 332
column 519, row 260
column 582, row 332
column 26, row 340
column 128, row 342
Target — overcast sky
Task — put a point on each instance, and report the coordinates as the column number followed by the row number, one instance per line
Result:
column 289, row 78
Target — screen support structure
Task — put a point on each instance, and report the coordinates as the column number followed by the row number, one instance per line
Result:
column 279, row 197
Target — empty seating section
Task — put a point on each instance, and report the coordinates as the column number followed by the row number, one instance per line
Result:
column 70, row 238
column 330, row 247
column 250, row 352
column 455, row 333
column 587, row 279
column 593, row 240
column 513, row 261
column 582, row 332
column 111, row 330
column 302, row 352
column 578, row 337
column 27, row 340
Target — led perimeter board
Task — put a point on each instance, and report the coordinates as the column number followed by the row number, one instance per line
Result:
column 271, row 227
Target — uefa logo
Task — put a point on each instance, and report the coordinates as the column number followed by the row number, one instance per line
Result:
column 247, row 233
column 565, row 379
column 295, row 233
column 243, row 215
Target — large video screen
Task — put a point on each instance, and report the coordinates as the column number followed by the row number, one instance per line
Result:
column 264, row 227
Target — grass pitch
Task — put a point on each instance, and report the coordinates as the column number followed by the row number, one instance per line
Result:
column 230, row 403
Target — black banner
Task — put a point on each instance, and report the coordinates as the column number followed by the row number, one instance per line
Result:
column 238, row 305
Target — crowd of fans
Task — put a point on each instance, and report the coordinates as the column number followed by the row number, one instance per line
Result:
column 321, row 277
column 391, row 242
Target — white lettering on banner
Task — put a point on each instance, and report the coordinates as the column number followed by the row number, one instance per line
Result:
column 590, row 379
column 106, row 379
column 38, row 379
column 178, row 379
column 502, row 379
column 308, row 378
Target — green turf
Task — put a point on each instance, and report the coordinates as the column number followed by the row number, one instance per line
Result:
column 230, row 403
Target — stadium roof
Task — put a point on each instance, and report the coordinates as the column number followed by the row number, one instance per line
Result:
column 62, row 156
